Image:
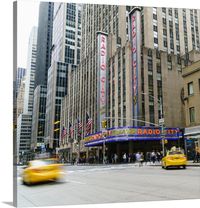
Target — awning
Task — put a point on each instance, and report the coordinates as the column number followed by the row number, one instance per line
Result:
column 193, row 132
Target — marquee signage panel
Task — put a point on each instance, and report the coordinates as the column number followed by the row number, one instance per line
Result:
column 135, row 39
column 132, row 133
column 102, row 76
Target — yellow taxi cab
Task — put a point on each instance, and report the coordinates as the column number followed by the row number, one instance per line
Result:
column 42, row 170
column 174, row 158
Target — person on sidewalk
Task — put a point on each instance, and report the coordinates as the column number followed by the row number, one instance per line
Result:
column 115, row 158
column 138, row 157
column 153, row 157
column 124, row 158
column 141, row 159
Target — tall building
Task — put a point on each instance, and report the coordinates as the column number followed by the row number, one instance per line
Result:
column 44, row 42
column 24, row 122
column 141, row 50
column 30, row 73
column 21, row 72
column 43, row 62
column 20, row 97
column 66, row 45
column 38, row 118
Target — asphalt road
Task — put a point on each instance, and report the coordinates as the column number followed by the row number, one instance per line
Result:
column 112, row 184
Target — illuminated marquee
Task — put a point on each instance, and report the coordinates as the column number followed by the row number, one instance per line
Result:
column 102, row 71
column 137, row 133
column 134, row 57
column 135, row 39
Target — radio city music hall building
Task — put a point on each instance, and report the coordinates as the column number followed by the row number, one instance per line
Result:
column 130, row 75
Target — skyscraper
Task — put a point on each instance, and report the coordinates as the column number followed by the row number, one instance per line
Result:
column 43, row 62
column 66, row 45
column 24, row 120
column 21, row 72
column 44, row 42
column 30, row 73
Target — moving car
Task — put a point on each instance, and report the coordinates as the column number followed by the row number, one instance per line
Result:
column 174, row 158
column 42, row 170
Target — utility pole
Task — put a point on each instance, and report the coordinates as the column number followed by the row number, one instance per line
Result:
column 104, row 132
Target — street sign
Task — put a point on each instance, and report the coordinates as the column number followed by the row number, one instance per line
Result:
column 161, row 121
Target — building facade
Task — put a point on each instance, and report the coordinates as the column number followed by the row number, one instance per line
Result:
column 21, row 72
column 66, row 45
column 30, row 73
column 164, row 35
column 38, row 119
column 44, row 42
column 24, row 123
column 43, row 62
column 191, row 78
column 20, row 97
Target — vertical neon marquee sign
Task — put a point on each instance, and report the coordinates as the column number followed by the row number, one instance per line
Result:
column 102, row 76
column 134, row 27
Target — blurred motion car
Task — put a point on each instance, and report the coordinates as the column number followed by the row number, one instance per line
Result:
column 42, row 170
column 174, row 158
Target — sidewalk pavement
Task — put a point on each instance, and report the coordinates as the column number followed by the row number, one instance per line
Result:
column 189, row 163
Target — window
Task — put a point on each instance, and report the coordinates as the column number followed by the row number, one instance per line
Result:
column 150, row 65
column 169, row 58
column 190, row 88
column 155, row 16
column 158, row 68
column 164, row 21
column 192, row 114
column 155, row 28
column 155, row 40
column 164, row 31
column 149, row 52
column 157, row 54
column 164, row 41
column 170, row 12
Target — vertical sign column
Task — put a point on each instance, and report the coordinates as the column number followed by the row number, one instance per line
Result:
column 134, row 34
column 102, row 78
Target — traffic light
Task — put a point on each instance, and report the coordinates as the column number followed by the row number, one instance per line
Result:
column 104, row 123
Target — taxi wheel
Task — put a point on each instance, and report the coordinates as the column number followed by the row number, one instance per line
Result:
column 166, row 167
column 26, row 182
column 184, row 167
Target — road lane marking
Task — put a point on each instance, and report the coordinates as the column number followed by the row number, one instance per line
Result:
column 79, row 182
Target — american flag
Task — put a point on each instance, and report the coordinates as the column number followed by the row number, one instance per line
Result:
column 64, row 132
column 71, row 130
column 88, row 124
column 80, row 125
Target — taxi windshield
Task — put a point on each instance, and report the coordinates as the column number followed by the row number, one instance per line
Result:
column 42, row 162
column 175, row 153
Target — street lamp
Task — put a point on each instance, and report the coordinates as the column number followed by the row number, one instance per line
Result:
column 161, row 121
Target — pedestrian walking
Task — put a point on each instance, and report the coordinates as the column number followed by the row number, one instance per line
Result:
column 148, row 158
column 141, row 159
column 124, row 157
column 158, row 156
column 153, row 157
column 129, row 157
column 138, row 157
column 115, row 158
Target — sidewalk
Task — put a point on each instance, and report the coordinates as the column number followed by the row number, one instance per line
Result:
column 189, row 164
